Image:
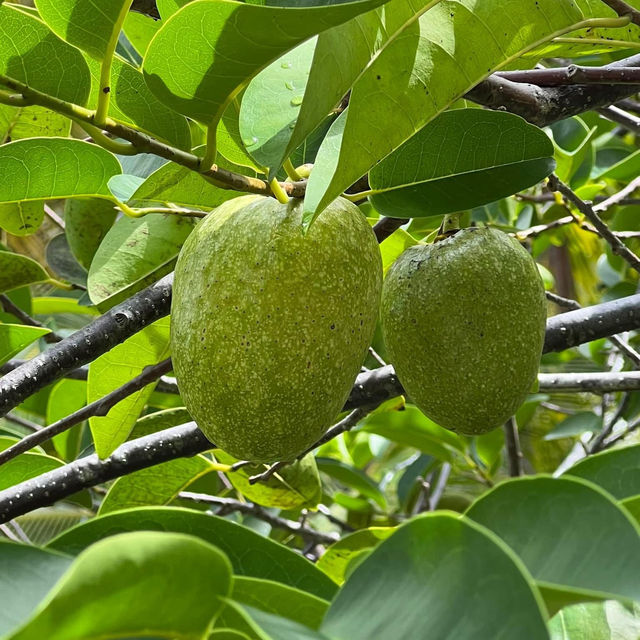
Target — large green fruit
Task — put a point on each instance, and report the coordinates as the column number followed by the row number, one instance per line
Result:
column 463, row 320
column 270, row 326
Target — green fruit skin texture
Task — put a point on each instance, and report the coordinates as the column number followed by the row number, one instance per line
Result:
column 464, row 320
column 270, row 326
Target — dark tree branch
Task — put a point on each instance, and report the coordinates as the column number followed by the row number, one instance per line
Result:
column 104, row 333
column 624, row 9
column 386, row 226
column 177, row 442
column 544, row 106
column 621, row 117
column 574, row 74
column 599, row 382
column 25, row 318
column 100, row 407
column 251, row 509
column 512, row 445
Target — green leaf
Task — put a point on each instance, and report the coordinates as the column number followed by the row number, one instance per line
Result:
column 174, row 586
column 113, row 369
column 462, row 159
column 164, row 419
column 268, row 626
column 133, row 103
column 139, row 30
column 48, row 306
column 17, row 123
column 66, row 397
column 134, row 253
column 616, row 471
column 444, row 577
column 353, row 478
column 21, row 218
column 43, row 524
column 273, row 597
column 175, row 184
column 296, row 485
column 575, row 425
column 336, row 559
column 18, row 271
column 63, row 263
column 394, row 246
column 32, row 54
column 15, row 337
column 440, row 55
column 86, row 224
column 228, row 140
column 271, row 104
column 632, row 505
column 412, row 428
column 572, row 141
column 27, row 575
column 54, row 168
column 596, row 621
column 157, row 485
column 250, row 553
column 90, row 27
column 26, row 466
column 201, row 79
column 559, row 527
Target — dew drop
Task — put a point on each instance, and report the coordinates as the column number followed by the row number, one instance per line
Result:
column 248, row 142
column 289, row 85
column 286, row 65
column 297, row 101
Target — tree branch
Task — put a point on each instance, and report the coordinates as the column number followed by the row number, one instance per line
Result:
column 624, row 9
column 512, row 445
column 177, row 442
column 25, row 318
column 574, row 74
column 249, row 508
column 100, row 407
column 85, row 345
column 147, row 7
column 544, row 106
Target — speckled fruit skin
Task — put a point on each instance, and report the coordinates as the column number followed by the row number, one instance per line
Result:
column 270, row 326
column 464, row 320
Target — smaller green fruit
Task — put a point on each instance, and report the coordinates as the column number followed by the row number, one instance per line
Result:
column 464, row 320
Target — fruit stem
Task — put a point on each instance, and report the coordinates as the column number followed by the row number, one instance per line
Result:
column 287, row 165
column 450, row 225
column 278, row 191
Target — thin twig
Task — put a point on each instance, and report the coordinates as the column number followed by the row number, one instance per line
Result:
column 54, row 217
column 249, row 508
column 621, row 117
column 512, row 445
column 98, row 408
column 621, row 436
column 25, row 318
column 23, row 422
column 587, row 210
column 619, row 197
column 386, row 226
column 594, row 382
column 347, row 423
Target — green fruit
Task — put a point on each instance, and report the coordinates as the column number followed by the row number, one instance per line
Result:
column 463, row 320
column 270, row 326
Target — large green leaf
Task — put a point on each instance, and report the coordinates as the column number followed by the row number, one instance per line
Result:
column 353, row 478
column 174, row 586
column 596, row 621
column 18, row 271
column 31, row 53
column 462, row 159
column 561, row 528
column 27, row 575
column 54, row 168
column 296, row 485
column 438, row 576
column 134, row 253
column 92, row 27
column 115, row 368
column 438, row 56
column 157, row 485
column 269, row 626
column 199, row 80
column 250, row 553
column 21, row 218
column 139, row 30
column 15, row 337
column 336, row 560
column 271, row 104
column 616, row 471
